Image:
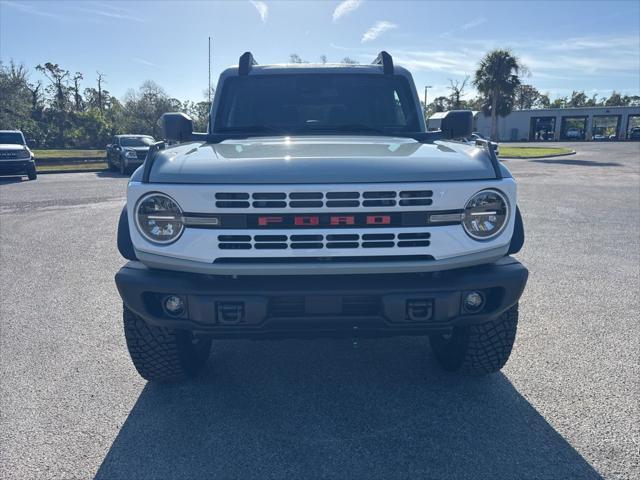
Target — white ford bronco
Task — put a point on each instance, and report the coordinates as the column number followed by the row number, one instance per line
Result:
column 317, row 205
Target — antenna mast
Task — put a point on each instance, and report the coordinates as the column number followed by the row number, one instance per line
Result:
column 209, row 84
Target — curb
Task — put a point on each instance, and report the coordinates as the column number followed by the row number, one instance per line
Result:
column 70, row 160
column 88, row 170
column 572, row 152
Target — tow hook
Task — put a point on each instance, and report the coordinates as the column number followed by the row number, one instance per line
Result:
column 419, row 310
column 230, row 313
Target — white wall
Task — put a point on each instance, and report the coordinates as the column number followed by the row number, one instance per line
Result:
column 521, row 120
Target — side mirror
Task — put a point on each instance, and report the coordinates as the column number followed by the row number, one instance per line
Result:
column 31, row 143
column 176, row 127
column 457, row 123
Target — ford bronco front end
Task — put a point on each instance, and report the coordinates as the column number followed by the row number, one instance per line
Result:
column 318, row 205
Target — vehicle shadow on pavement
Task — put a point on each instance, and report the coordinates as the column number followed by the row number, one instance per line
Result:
column 109, row 174
column 296, row 409
column 4, row 180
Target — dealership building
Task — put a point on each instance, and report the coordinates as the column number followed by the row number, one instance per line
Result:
column 588, row 123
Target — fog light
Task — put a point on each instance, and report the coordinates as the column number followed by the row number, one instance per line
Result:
column 473, row 302
column 174, row 305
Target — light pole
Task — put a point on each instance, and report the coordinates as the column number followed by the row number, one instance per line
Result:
column 426, row 87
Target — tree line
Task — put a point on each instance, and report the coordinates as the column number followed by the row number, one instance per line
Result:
column 61, row 113
column 70, row 110
column 527, row 97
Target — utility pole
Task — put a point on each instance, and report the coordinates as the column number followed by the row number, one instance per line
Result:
column 209, row 84
column 426, row 87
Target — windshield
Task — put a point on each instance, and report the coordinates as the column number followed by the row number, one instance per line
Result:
column 136, row 141
column 14, row 138
column 317, row 103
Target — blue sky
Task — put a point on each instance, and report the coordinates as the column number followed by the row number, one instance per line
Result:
column 583, row 45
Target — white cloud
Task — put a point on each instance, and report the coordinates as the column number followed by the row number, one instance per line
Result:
column 378, row 29
column 476, row 22
column 455, row 62
column 117, row 15
column 345, row 8
column 630, row 42
column 32, row 9
column 262, row 8
column 142, row 61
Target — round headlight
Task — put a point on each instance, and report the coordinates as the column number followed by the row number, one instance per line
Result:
column 159, row 218
column 485, row 214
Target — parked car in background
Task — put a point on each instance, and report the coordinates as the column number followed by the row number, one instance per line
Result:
column 634, row 133
column 16, row 158
column 128, row 152
column 471, row 140
column 574, row 133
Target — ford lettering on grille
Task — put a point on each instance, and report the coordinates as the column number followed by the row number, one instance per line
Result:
column 322, row 220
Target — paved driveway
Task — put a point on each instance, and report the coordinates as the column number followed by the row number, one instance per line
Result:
column 565, row 406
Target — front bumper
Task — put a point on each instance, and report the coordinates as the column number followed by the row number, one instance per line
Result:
column 16, row 167
column 133, row 162
column 345, row 305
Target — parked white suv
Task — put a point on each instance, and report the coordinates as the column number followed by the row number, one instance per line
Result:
column 15, row 156
column 318, row 205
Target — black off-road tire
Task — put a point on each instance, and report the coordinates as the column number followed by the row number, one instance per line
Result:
column 164, row 354
column 122, row 167
column 110, row 165
column 477, row 349
column 32, row 174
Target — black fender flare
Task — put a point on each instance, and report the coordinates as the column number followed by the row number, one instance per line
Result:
column 517, row 239
column 125, row 245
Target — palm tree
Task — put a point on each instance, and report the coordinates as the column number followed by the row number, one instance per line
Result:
column 497, row 79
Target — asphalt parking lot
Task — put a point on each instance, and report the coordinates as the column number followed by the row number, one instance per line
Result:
column 565, row 406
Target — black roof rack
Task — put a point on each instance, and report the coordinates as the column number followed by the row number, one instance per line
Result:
column 246, row 62
column 386, row 61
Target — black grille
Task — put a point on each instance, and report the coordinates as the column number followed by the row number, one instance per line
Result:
column 287, row 307
column 368, row 199
column 330, row 241
column 141, row 155
column 300, row 306
column 360, row 305
column 8, row 154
